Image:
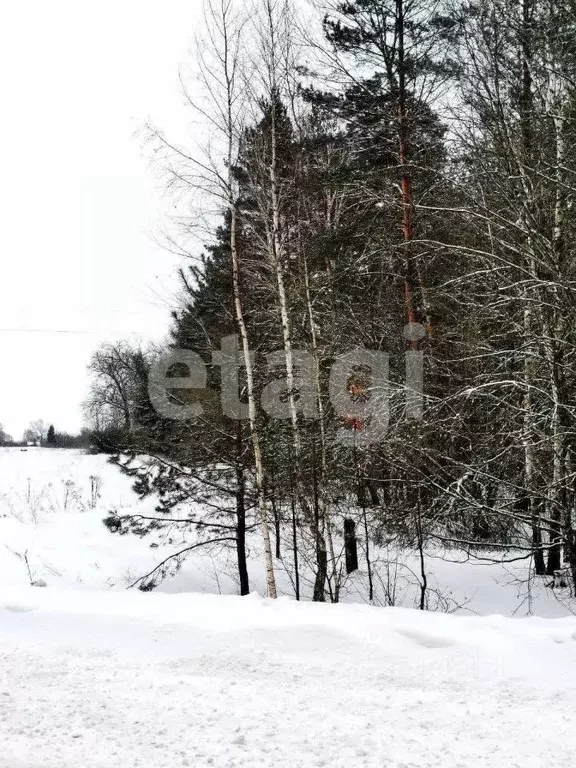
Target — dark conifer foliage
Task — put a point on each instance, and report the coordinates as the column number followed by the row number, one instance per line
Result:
column 425, row 181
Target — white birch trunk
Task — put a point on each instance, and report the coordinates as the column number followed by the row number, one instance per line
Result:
column 229, row 75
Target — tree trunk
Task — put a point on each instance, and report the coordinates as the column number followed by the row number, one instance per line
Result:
column 421, row 555
column 228, row 80
column 241, row 524
column 319, row 595
column 325, row 516
column 368, row 560
column 295, row 549
column 539, row 562
column 406, row 181
column 276, row 252
column 259, row 465
column 350, row 545
column 278, row 551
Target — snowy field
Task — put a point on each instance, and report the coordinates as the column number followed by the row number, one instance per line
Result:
column 96, row 676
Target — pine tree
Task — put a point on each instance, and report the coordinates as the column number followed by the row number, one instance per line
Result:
column 51, row 436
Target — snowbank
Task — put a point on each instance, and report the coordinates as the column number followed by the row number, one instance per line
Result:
column 95, row 679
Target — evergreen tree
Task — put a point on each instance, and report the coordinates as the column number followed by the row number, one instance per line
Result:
column 51, row 436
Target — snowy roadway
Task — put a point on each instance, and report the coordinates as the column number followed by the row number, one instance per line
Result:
column 106, row 679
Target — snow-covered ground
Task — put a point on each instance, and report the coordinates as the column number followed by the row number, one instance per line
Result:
column 95, row 676
column 52, row 503
column 101, row 679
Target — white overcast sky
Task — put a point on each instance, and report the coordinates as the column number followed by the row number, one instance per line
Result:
column 79, row 203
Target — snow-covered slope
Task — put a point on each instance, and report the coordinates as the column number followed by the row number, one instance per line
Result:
column 52, row 503
column 101, row 679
